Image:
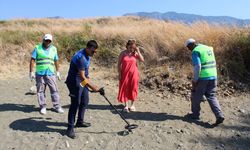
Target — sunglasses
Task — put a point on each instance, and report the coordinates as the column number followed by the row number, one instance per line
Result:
column 47, row 41
column 93, row 50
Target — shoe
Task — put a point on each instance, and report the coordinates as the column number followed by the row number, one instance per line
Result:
column 132, row 108
column 82, row 124
column 126, row 109
column 43, row 111
column 219, row 120
column 70, row 133
column 204, row 99
column 192, row 116
column 59, row 110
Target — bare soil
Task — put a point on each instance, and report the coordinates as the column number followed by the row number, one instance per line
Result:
column 161, row 120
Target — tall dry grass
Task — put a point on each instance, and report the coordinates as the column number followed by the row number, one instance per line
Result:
column 163, row 41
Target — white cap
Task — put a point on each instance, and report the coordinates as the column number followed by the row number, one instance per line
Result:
column 189, row 41
column 47, row 37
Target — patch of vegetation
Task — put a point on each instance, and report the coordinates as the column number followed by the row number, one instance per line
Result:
column 3, row 22
column 163, row 42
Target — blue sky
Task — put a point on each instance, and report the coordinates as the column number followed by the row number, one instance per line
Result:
column 11, row 9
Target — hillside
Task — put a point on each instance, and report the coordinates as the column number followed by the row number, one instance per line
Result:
column 164, row 90
column 192, row 18
column 163, row 44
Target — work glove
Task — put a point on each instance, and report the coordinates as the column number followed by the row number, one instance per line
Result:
column 58, row 75
column 101, row 91
column 32, row 76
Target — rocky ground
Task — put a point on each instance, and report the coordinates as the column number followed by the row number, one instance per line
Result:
column 161, row 108
column 165, row 82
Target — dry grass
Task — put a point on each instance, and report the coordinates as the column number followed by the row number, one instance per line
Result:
column 162, row 40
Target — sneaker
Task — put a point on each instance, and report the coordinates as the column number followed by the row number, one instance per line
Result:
column 219, row 120
column 132, row 108
column 204, row 98
column 70, row 133
column 83, row 124
column 43, row 111
column 126, row 109
column 192, row 116
column 59, row 110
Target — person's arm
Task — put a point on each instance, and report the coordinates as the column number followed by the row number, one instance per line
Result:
column 119, row 66
column 139, row 55
column 33, row 60
column 58, row 74
column 57, row 65
column 87, row 82
column 197, row 67
column 81, row 65
column 32, row 64
column 56, row 60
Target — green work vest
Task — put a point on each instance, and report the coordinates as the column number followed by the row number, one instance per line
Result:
column 208, row 63
column 43, row 61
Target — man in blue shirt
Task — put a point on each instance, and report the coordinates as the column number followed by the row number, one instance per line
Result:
column 78, row 83
column 45, row 57
column 205, row 80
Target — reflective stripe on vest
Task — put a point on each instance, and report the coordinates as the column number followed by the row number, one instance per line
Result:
column 208, row 63
column 43, row 61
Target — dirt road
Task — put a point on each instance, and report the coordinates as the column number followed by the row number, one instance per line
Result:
column 161, row 122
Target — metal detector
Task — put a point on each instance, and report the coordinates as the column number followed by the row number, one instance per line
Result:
column 129, row 126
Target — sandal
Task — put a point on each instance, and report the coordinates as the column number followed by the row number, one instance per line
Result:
column 132, row 108
column 126, row 109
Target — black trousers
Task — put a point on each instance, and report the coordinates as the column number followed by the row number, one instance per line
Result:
column 79, row 101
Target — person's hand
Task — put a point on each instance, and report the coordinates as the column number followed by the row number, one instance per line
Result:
column 136, row 49
column 58, row 75
column 32, row 76
column 101, row 91
column 95, row 89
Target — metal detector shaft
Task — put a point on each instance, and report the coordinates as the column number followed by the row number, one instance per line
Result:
column 116, row 109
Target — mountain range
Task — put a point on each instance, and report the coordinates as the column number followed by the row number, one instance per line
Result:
column 192, row 18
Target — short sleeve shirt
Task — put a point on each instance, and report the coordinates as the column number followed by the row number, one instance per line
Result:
column 79, row 62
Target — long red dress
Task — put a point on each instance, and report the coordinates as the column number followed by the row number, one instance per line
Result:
column 128, row 85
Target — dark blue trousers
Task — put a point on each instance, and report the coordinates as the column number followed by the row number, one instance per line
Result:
column 79, row 101
column 207, row 88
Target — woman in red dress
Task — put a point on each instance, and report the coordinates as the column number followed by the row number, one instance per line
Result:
column 129, row 74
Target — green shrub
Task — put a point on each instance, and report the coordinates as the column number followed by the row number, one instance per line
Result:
column 19, row 37
column 3, row 22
